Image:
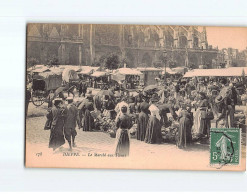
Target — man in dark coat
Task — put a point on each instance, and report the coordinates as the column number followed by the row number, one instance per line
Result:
column 57, row 126
column 82, row 88
column 142, row 121
column 234, row 96
column 88, row 120
column 28, row 97
column 89, row 96
column 70, row 124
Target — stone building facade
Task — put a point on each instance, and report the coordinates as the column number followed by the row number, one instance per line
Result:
column 233, row 57
column 140, row 45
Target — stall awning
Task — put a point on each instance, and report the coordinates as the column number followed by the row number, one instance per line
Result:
column 151, row 69
column 99, row 74
column 40, row 70
column 169, row 71
column 69, row 74
column 222, row 72
column 87, row 70
column 71, row 67
column 128, row 71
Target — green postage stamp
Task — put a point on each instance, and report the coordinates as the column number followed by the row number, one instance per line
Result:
column 225, row 146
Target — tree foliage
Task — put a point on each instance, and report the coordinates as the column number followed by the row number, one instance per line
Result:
column 31, row 62
column 192, row 66
column 108, row 61
column 222, row 65
column 53, row 61
column 172, row 64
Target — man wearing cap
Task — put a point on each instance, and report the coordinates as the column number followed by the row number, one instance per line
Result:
column 28, row 97
column 82, row 88
column 89, row 95
column 70, row 123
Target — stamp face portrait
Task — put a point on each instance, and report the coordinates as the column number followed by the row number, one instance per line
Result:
column 225, row 146
column 119, row 96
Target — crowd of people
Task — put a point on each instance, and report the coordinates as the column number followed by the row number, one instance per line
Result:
column 190, row 104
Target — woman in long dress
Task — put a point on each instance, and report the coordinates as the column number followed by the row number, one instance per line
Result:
column 220, row 112
column 88, row 120
column 184, row 131
column 153, row 133
column 57, row 125
column 122, row 136
column 142, row 121
column 201, row 124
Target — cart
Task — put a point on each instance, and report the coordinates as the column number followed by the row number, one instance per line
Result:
column 42, row 84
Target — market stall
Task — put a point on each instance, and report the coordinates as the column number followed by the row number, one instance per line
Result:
column 149, row 75
column 100, row 79
column 85, row 74
column 128, row 77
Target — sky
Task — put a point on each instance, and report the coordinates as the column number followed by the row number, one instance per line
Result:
column 224, row 37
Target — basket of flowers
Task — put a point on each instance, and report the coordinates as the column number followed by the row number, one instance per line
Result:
column 169, row 133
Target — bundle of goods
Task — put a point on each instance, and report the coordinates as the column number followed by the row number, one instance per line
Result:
column 133, row 130
column 169, row 134
column 106, row 124
column 240, row 121
column 112, row 133
column 101, row 122
column 244, row 99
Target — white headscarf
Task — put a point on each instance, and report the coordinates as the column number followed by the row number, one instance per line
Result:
column 155, row 111
column 118, row 109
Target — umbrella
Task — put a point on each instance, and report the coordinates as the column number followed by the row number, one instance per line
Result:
column 105, row 92
column 152, row 88
column 83, row 104
column 213, row 87
column 59, row 90
column 224, row 92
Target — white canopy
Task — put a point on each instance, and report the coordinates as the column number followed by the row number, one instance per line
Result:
column 128, row 71
column 169, row 71
column 69, row 74
column 71, row 67
column 151, row 69
column 99, row 74
column 43, row 69
column 222, row 72
column 87, row 70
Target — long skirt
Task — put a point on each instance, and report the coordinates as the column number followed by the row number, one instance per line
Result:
column 56, row 137
column 184, row 133
column 230, row 117
column 122, row 143
column 205, row 125
column 201, row 126
column 88, row 121
column 197, row 122
column 221, row 123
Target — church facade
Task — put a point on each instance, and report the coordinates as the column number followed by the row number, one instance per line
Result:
column 139, row 45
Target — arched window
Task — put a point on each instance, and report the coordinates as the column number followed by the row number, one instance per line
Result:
column 195, row 42
column 182, row 42
column 146, row 59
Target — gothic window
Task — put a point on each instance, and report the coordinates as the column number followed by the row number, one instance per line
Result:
column 130, row 39
column 182, row 42
column 146, row 59
column 195, row 42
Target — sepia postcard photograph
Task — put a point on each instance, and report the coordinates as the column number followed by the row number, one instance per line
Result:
column 116, row 96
